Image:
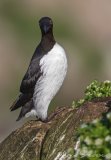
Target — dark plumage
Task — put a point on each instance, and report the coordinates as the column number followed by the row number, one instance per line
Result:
column 33, row 73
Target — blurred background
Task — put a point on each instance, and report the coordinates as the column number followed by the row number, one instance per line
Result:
column 83, row 28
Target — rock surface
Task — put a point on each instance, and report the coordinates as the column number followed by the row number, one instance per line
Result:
column 36, row 140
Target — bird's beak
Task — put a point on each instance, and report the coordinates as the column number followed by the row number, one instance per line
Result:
column 46, row 28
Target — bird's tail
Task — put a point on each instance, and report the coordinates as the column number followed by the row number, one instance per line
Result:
column 25, row 109
column 20, row 101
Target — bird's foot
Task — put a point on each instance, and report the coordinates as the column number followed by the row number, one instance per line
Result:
column 44, row 121
column 51, row 117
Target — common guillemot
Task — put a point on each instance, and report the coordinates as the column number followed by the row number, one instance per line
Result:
column 44, row 77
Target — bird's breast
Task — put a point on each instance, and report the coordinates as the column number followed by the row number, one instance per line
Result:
column 54, row 62
column 53, row 67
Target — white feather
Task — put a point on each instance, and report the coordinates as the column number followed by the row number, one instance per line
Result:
column 31, row 113
column 54, row 68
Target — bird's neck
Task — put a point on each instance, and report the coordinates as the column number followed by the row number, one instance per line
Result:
column 47, row 41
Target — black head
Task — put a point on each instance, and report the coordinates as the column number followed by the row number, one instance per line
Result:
column 46, row 25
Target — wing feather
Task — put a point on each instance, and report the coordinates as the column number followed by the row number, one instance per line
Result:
column 32, row 75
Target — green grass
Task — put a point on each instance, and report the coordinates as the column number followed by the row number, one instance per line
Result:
column 94, row 90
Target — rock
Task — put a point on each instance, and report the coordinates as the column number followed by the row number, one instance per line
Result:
column 36, row 140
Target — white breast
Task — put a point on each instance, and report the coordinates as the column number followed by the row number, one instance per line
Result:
column 54, row 68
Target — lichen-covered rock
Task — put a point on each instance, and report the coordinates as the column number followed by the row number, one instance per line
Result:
column 24, row 143
column 36, row 140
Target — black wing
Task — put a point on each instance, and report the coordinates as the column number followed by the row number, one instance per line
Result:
column 27, row 85
column 32, row 75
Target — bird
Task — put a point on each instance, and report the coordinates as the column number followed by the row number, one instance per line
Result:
column 44, row 76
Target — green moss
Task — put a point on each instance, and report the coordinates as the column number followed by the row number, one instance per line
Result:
column 94, row 90
column 94, row 139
